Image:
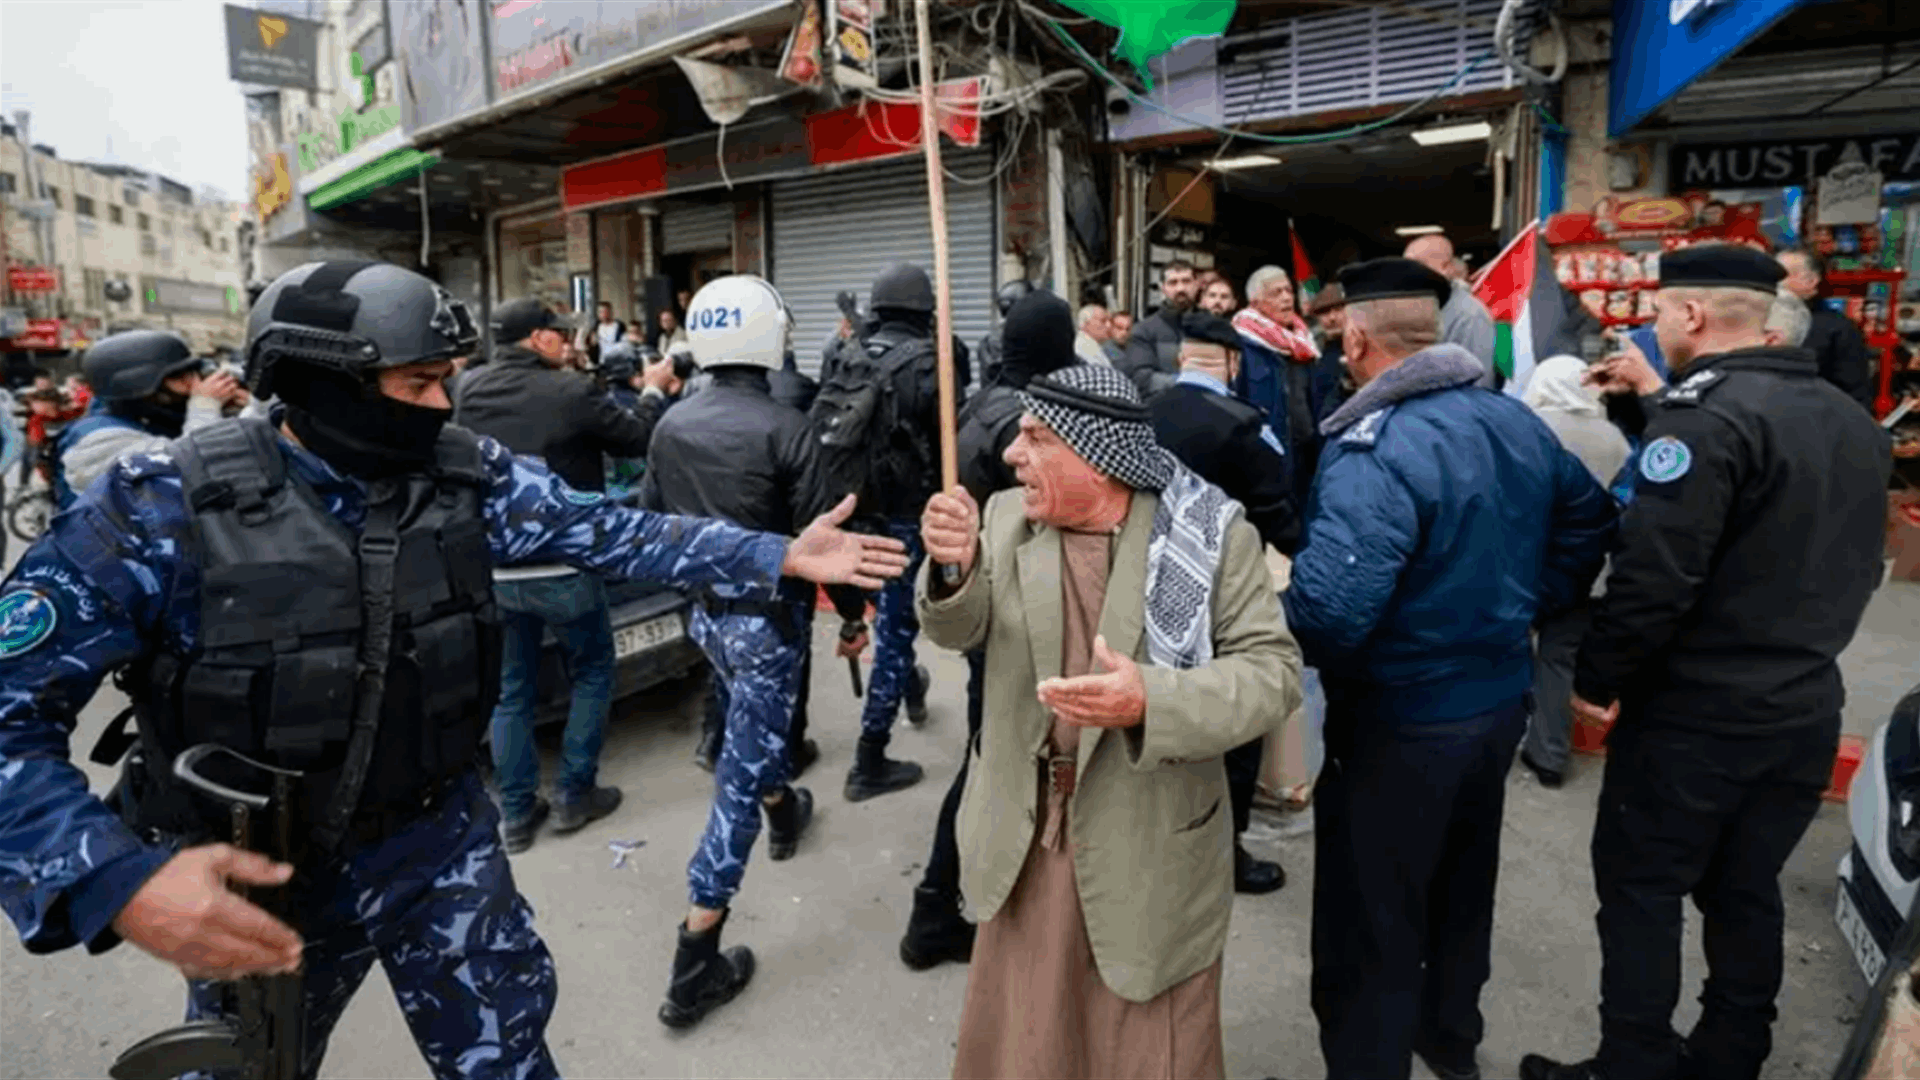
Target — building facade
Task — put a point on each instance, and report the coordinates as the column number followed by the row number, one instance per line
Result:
column 101, row 248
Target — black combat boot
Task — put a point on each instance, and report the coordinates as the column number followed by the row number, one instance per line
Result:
column 801, row 756
column 919, row 681
column 704, row 978
column 786, row 820
column 572, row 815
column 874, row 773
column 937, row 932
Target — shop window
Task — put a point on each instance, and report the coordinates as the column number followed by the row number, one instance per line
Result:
column 8, row 184
column 116, row 215
column 83, row 205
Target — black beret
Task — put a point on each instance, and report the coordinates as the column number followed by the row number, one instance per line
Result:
column 1208, row 327
column 1720, row 266
column 1390, row 279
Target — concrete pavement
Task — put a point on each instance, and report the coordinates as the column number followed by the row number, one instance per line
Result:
column 833, row 1000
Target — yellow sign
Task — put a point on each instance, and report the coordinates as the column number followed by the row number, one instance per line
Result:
column 273, row 187
column 271, row 31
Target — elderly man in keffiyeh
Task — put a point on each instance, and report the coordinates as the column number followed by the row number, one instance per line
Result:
column 1132, row 638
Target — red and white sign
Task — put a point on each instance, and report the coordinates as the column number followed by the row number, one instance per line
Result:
column 33, row 279
column 41, row 334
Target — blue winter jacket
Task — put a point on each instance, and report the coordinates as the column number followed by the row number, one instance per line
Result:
column 1444, row 519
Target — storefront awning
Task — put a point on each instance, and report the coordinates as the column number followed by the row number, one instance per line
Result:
column 392, row 167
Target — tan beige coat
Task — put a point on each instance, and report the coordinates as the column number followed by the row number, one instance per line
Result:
column 1150, row 824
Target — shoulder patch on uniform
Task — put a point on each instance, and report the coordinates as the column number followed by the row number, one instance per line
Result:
column 27, row 618
column 1664, row 459
column 1689, row 389
column 1366, row 430
column 583, row 498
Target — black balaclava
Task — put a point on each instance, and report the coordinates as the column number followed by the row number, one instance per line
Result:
column 162, row 413
column 1036, row 338
column 356, row 428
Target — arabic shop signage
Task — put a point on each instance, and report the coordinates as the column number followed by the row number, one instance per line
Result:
column 272, row 186
column 536, row 43
column 34, row 279
column 189, row 297
column 1784, row 162
column 354, row 130
column 271, row 49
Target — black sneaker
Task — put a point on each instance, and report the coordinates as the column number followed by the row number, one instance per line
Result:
column 919, row 681
column 1535, row 1067
column 1444, row 1068
column 517, row 836
column 572, row 815
column 1549, row 778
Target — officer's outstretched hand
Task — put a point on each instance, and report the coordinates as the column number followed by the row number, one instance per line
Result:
column 186, row 915
column 950, row 528
column 825, row 553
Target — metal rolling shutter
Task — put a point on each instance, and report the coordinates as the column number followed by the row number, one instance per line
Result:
column 838, row 230
column 687, row 229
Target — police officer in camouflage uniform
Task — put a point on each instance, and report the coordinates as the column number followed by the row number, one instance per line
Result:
column 241, row 585
column 734, row 453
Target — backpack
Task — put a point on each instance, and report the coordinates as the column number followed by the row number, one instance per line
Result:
column 869, row 442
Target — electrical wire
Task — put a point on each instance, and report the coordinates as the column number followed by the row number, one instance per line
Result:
column 1273, row 140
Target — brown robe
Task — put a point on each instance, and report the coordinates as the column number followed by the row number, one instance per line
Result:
column 1036, row 1006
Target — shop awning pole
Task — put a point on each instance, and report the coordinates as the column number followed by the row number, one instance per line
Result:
column 942, row 285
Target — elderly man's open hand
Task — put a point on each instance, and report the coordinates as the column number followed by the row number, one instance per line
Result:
column 828, row 554
column 950, row 529
column 1113, row 697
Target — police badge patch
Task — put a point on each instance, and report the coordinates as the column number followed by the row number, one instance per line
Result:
column 1665, row 459
column 27, row 618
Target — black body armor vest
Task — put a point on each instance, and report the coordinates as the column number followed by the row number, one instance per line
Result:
column 278, row 669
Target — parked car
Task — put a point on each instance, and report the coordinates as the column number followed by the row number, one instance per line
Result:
column 650, row 646
column 1880, row 874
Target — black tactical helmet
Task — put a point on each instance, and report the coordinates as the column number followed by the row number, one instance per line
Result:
column 902, row 287
column 353, row 318
column 131, row 366
column 1012, row 293
column 619, row 361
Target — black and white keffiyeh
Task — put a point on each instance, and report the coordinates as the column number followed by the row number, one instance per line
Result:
column 1097, row 412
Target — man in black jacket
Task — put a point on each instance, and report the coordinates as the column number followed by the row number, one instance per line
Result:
column 1745, row 564
column 527, row 402
column 1228, row 443
column 1152, row 359
column 1837, row 345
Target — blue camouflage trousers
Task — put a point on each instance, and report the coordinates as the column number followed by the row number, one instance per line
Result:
column 895, row 626
column 435, row 903
column 759, row 662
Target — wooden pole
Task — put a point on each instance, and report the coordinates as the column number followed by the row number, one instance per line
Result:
column 942, row 286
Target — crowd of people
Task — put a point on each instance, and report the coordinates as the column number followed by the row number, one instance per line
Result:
column 353, row 578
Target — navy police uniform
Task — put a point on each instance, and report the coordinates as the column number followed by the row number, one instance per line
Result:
column 1445, row 518
column 116, row 583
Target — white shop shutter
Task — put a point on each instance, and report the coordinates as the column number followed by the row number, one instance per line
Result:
column 685, row 230
column 838, row 230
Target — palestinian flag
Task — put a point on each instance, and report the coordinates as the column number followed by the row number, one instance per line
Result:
column 1304, row 279
column 1528, row 304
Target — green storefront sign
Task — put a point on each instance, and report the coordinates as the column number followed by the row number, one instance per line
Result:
column 355, row 129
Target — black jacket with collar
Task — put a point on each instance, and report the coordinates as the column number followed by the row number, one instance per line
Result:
column 1749, row 553
column 1224, row 439
column 1841, row 352
column 544, row 412
column 1152, row 359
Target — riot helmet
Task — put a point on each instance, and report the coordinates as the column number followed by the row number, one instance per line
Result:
column 738, row 319
column 619, row 361
column 128, row 373
column 318, row 339
column 1010, row 294
column 902, row 287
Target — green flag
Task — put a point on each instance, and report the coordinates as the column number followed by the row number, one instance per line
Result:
column 1149, row 29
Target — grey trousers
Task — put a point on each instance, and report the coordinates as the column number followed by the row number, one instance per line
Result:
column 1550, row 730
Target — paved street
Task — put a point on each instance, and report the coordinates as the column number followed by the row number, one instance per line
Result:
column 832, row 998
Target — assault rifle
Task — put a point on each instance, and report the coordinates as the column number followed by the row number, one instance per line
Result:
column 263, row 1039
